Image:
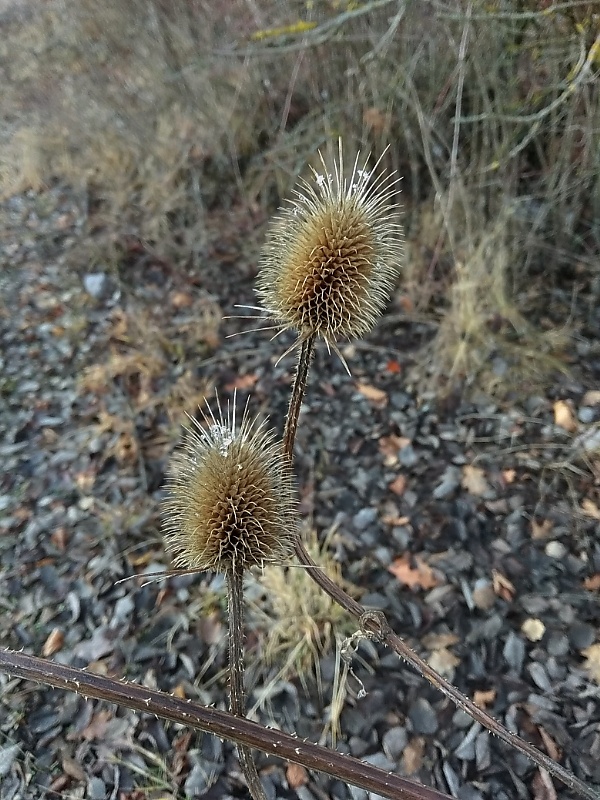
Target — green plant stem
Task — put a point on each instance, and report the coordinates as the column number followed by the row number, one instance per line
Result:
column 376, row 624
column 307, row 348
column 237, row 697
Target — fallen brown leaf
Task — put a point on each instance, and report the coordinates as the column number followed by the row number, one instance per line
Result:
column 564, row 417
column 242, row 382
column 53, row 643
column 590, row 509
column 412, row 757
column 592, row 583
column 398, row 485
column 473, row 480
column 376, row 396
column 484, row 697
column 541, row 530
column 444, row 662
column 421, row 575
column 296, row 775
column 592, row 662
column 543, row 788
column 502, row 586
column 591, row 398
column 549, row 743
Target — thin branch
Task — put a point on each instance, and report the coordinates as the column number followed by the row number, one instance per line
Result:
column 291, row 424
column 237, row 696
column 219, row 723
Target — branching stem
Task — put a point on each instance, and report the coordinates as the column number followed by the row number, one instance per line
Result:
column 379, row 625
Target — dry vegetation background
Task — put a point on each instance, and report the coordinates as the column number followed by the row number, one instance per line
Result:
column 162, row 113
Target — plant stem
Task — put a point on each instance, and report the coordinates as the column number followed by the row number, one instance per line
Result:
column 298, row 390
column 237, row 699
column 219, row 723
column 376, row 623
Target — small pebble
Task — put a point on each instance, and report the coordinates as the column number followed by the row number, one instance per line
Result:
column 95, row 284
column 484, row 596
column 586, row 415
column 555, row 549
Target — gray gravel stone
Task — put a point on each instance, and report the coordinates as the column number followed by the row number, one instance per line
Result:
column 423, row 717
column 8, row 755
column 96, row 284
column 514, row 652
column 96, row 789
column 394, row 741
column 364, row 518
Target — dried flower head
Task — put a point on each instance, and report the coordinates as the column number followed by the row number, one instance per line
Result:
column 231, row 499
column 333, row 254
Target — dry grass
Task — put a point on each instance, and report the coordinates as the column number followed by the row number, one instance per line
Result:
column 298, row 622
column 162, row 111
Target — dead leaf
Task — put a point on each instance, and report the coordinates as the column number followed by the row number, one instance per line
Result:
column 389, row 447
column 72, row 768
column 502, row 586
column 564, row 417
column 53, row 643
column 242, row 382
column 435, row 641
column 473, row 480
column 179, row 691
column 534, row 629
column 592, row 583
column 543, row 788
column 420, row 575
column 412, row 756
column 549, row 743
column 590, row 509
column 97, row 727
column 541, row 530
column 296, row 775
column 509, row 475
column 181, row 300
column 591, row 398
column 374, row 395
column 398, row 485
column 59, row 537
column 592, row 663
column 444, row 662
column 484, row 697
column 394, row 367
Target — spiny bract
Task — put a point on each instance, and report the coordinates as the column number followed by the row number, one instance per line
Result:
column 332, row 255
column 231, row 500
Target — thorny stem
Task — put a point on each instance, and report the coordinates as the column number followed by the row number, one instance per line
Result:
column 218, row 723
column 237, row 699
column 377, row 623
column 291, row 423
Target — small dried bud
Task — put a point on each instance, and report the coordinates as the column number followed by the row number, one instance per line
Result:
column 231, row 500
column 332, row 255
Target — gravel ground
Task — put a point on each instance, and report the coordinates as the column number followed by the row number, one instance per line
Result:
column 472, row 524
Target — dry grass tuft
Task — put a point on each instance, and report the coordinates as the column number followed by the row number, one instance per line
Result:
column 162, row 111
column 297, row 621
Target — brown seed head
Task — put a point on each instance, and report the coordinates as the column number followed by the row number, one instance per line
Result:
column 332, row 255
column 231, row 499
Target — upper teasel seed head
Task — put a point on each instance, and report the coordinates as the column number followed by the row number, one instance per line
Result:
column 332, row 255
column 231, row 501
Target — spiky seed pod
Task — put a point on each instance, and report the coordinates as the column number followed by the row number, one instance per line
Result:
column 231, row 500
column 332, row 255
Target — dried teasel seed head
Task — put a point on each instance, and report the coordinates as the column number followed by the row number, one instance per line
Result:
column 333, row 254
column 231, row 501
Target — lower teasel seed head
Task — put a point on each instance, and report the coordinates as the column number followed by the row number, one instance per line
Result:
column 231, row 501
column 332, row 256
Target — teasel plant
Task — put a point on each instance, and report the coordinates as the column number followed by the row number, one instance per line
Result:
column 330, row 261
column 231, row 507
